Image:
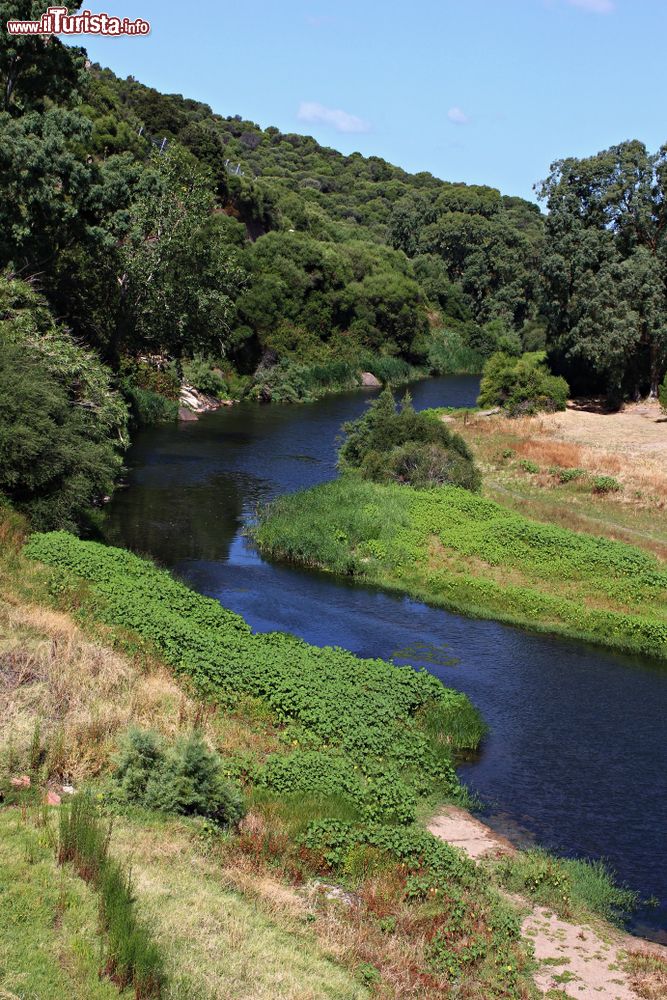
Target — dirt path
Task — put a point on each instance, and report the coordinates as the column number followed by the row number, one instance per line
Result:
column 574, row 958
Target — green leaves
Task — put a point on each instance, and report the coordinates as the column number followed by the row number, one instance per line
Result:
column 370, row 746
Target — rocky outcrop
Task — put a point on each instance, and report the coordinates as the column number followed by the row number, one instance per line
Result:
column 370, row 381
column 193, row 402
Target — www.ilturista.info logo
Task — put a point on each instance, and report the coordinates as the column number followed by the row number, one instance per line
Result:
column 59, row 21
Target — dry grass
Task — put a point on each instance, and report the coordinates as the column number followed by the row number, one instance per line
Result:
column 82, row 693
column 630, row 445
column 648, row 974
column 228, row 930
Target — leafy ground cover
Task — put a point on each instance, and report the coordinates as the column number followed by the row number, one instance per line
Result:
column 468, row 553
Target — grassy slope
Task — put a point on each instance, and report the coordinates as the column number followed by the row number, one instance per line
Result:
column 470, row 554
column 265, row 923
column 48, row 917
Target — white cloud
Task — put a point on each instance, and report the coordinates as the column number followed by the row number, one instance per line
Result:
column 458, row 116
column 311, row 111
column 594, row 6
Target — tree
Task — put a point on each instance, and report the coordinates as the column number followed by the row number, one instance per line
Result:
column 62, row 427
column 604, row 270
column 390, row 445
column 179, row 274
column 33, row 67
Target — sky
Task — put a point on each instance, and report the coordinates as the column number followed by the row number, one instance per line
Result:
column 482, row 91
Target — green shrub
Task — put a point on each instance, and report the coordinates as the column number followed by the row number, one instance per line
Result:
column 606, row 484
column 148, row 408
column 186, row 779
column 662, row 394
column 569, row 475
column 199, row 373
column 528, row 465
column 449, row 353
column 521, row 385
column 567, row 885
column 403, row 446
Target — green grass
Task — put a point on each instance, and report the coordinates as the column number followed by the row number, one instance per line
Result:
column 571, row 887
column 49, row 948
column 233, row 944
column 470, row 554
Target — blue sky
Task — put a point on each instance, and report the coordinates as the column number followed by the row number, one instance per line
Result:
column 484, row 91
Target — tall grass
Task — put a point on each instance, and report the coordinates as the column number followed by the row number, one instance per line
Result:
column 570, row 886
column 131, row 957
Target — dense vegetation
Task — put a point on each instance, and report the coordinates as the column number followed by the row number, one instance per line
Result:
column 162, row 234
column 521, row 385
column 359, row 715
column 406, row 447
column 455, row 548
column 604, row 269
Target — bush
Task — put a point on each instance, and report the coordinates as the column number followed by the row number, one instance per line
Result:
column 662, row 394
column 199, row 373
column 606, row 484
column 569, row 475
column 403, row 446
column 147, row 407
column 186, row 779
column 449, row 353
column 528, row 465
column 521, row 385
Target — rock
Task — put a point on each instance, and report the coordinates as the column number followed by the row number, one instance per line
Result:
column 185, row 414
column 69, row 789
column 369, row 380
column 21, row 782
column 52, row 799
column 488, row 413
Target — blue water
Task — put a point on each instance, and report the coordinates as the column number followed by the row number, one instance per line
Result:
column 575, row 759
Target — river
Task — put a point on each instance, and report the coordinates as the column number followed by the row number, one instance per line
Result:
column 576, row 756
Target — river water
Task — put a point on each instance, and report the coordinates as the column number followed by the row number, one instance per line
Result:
column 577, row 753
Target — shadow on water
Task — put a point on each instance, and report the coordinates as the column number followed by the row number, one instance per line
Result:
column 575, row 758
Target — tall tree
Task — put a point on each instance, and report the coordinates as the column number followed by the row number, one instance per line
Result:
column 604, row 270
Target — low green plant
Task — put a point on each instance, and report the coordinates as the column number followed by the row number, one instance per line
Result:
column 606, row 484
column 528, row 465
column 569, row 475
column 569, row 886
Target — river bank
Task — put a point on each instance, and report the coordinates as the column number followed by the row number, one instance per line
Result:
column 454, row 549
column 575, row 957
column 559, row 711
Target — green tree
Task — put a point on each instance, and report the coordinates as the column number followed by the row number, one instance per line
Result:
column 604, row 270
column 35, row 68
column 179, row 275
column 62, row 427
